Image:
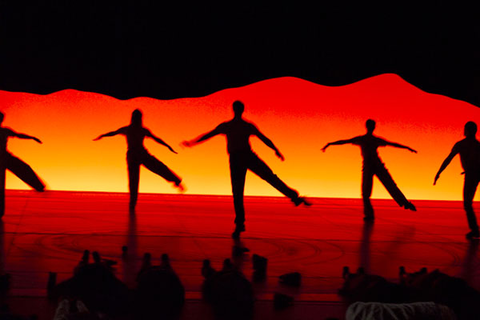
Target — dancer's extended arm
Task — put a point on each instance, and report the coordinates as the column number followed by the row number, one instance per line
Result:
column 110, row 134
column 160, row 141
column 401, row 146
column 337, row 143
column 206, row 136
column 269, row 143
column 445, row 163
column 24, row 136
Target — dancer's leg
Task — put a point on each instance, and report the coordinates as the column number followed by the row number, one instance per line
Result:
column 156, row 166
column 392, row 188
column 24, row 172
column 238, row 171
column 2, row 189
column 133, row 166
column 262, row 170
column 469, row 189
column 367, row 185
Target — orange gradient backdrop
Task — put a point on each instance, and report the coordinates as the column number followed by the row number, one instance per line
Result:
column 299, row 117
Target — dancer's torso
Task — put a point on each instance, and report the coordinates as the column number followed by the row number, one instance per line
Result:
column 135, row 137
column 469, row 150
column 369, row 145
column 238, row 133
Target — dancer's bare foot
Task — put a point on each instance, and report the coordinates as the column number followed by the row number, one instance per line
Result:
column 181, row 187
column 410, row 206
column 301, row 200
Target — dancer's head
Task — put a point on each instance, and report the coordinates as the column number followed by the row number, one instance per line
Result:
column 470, row 129
column 2, row 116
column 370, row 124
column 238, row 108
column 136, row 118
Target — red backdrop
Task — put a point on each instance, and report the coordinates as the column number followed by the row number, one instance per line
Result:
column 299, row 116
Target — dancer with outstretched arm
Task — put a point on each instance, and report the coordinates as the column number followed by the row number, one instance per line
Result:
column 373, row 166
column 14, row 164
column 137, row 155
column 242, row 158
column 469, row 151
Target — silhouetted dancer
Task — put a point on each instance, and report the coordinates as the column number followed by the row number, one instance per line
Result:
column 138, row 155
column 242, row 158
column 469, row 150
column 14, row 164
column 372, row 165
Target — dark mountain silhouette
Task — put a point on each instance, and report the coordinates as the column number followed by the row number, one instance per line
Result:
column 169, row 50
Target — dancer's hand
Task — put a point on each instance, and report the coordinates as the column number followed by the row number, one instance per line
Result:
column 97, row 138
column 436, row 178
column 170, row 148
column 325, row 147
column 38, row 140
column 412, row 150
column 279, row 155
column 188, row 144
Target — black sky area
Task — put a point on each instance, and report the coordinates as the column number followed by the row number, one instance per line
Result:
column 181, row 49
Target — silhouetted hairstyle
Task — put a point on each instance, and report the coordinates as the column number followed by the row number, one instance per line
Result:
column 470, row 129
column 370, row 124
column 137, row 117
column 238, row 107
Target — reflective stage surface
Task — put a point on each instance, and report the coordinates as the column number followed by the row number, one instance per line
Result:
column 48, row 232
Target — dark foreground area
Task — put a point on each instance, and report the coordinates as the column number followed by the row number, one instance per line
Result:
column 48, row 233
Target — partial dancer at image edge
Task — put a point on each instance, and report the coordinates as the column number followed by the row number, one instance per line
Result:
column 242, row 158
column 9, row 162
column 137, row 155
column 373, row 166
column 469, row 150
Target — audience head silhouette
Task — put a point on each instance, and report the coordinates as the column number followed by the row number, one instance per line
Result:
column 137, row 117
column 470, row 129
column 370, row 124
column 238, row 108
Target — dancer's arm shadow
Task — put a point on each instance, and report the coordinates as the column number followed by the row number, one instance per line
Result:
column 23, row 136
column 445, row 164
column 269, row 143
column 190, row 143
column 338, row 143
column 398, row 145
column 160, row 141
column 110, row 134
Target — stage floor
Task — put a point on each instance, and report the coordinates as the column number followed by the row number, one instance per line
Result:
column 44, row 232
